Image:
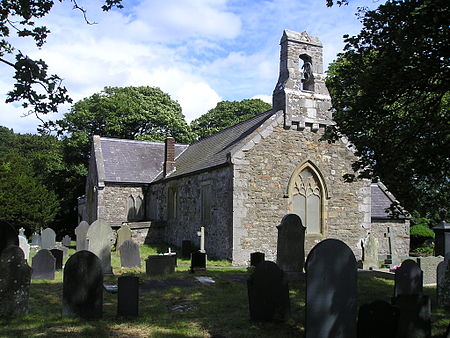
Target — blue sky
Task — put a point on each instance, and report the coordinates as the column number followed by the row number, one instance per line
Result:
column 198, row 51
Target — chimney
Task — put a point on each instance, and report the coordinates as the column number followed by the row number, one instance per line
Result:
column 169, row 156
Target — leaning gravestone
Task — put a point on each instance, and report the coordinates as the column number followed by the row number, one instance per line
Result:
column 99, row 238
column 15, row 275
column 268, row 293
column 257, row 258
column 81, row 232
column 443, row 282
column 129, row 255
column 58, row 254
column 48, row 238
column 378, row 319
column 123, row 234
column 43, row 265
column 291, row 244
column 8, row 235
column 370, row 249
column 128, row 296
column 83, row 286
column 36, row 239
column 66, row 240
column 23, row 244
column 331, row 293
column 408, row 279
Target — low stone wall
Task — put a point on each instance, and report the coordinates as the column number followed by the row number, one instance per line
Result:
column 149, row 232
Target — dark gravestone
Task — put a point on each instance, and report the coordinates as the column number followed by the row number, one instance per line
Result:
column 408, row 279
column 129, row 254
column 8, row 235
column 83, row 286
column 198, row 261
column 43, row 265
column 443, row 282
column 257, row 258
column 128, row 296
column 331, row 293
column 378, row 319
column 268, row 293
column 58, row 254
column 160, row 265
column 442, row 239
column 187, row 248
column 15, row 275
column 415, row 312
column 291, row 244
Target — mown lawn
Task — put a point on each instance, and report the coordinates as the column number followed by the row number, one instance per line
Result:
column 190, row 310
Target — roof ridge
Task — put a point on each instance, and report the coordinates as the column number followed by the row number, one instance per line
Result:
column 137, row 141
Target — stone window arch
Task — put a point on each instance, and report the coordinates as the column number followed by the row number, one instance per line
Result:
column 139, row 208
column 307, row 198
column 131, row 207
column 306, row 73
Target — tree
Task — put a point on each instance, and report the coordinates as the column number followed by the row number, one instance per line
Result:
column 390, row 95
column 38, row 91
column 227, row 114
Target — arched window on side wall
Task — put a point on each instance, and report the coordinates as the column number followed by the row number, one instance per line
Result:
column 139, row 207
column 131, row 207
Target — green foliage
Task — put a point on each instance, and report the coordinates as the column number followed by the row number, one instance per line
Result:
column 421, row 231
column 227, row 114
column 390, row 92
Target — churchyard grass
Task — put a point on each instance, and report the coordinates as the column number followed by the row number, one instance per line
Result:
column 182, row 307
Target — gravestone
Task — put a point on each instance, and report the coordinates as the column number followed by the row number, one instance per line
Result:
column 123, row 234
column 66, row 240
column 442, row 238
column 99, row 238
column 429, row 267
column 291, row 244
column 201, row 234
column 58, row 254
column 268, row 293
column 443, row 283
column 415, row 313
column 370, row 252
column 129, row 254
column 331, row 293
column 63, row 248
column 48, row 238
column 81, row 232
column 83, row 286
column 408, row 279
column 23, row 244
column 36, row 239
column 8, row 235
column 22, row 233
column 15, row 275
column 128, row 296
column 257, row 258
column 43, row 265
column 187, row 247
column 198, row 261
column 378, row 319
column 160, row 265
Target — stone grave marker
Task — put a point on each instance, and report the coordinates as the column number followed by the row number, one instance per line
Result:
column 48, row 238
column 370, row 252
column 15, row 276
column 331, row 292
column 130, row 256
column 187, row 247
column 43, row 265
column 408, row 279
column 23, row 244
column 81, row 232
column 123, row 234
column 257, row 258
column 291, row 244
column 198, row 261
column 128, row 296
column 58, row 254
column 22, row 233
column 36, row 239
column 429, row 267
column 443, row 283
column 83, row 286
column 66, row 240
column 160, row 264
column 99, row 238
column 268, row 293
column 415, row 313
column 201, row 234
column 63, row 248
column 8, row 235
column 378, row 319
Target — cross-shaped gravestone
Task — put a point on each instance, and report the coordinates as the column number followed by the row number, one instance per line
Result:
column 395, row 260
column 201, row 234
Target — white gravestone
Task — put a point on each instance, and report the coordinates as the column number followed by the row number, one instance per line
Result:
column 48, row 238
column 81, row 232
column 100, row 236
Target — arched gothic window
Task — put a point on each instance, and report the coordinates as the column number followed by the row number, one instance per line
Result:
column 131, row 209
column 306, row 195
column 139, row 207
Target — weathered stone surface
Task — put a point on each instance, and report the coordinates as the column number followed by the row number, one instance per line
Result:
column 291, row 244
column 429, row 267
column 83, row 286
column 408, row 279
column 129, row 254
column 123, row 234
column 99, row 237
column 370, row 252
column 58, row 254
column 378, row 319
column 331, row 293
column 160, row 265
column 43, row 265
column 15, row 275
column 8, row 235
column 23, row 244
column 268, row 293
column 81, row 233
column 48, row 238
column 128, row 296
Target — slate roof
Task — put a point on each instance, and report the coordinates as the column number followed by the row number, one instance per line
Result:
column 130, row 161
column 382, row 200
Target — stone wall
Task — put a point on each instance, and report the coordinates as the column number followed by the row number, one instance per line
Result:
column 188, row 221
column 399, row 232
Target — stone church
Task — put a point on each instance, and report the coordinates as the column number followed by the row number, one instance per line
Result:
column 240, row 182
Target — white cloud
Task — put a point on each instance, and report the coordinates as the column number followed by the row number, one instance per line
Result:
column 265, row 98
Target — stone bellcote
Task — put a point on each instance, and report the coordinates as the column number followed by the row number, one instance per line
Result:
column 301, row 92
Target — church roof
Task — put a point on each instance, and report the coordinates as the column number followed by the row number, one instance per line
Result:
column 381, row 203
column 131, row 161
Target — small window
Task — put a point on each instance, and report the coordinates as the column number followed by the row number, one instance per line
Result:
column 205, row 198
column 172, row 207
column 139, row 208
column 306, row 73
column 131, row 207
